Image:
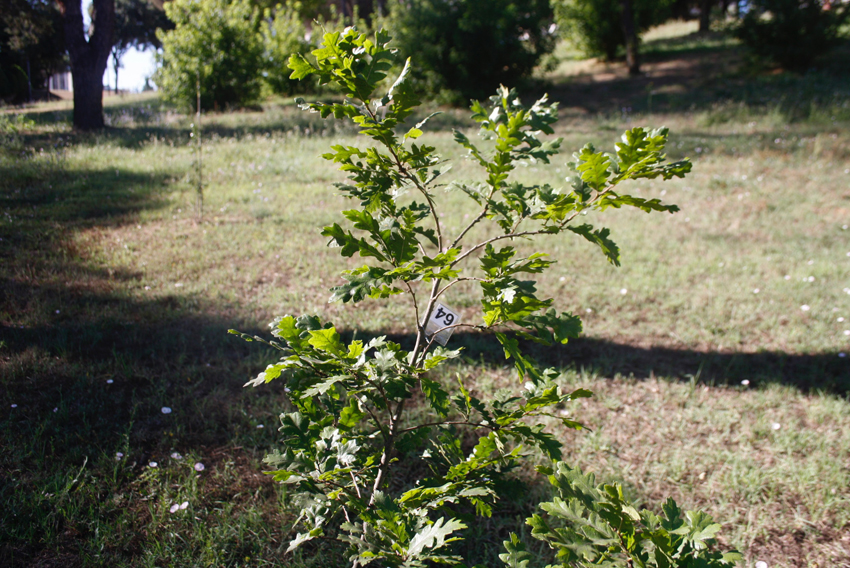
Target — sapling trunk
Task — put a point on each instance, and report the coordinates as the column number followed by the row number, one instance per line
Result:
column 199, row 181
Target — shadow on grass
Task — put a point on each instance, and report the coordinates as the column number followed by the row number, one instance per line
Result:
column 811, row 372
column 135, row 123
column 688, row 74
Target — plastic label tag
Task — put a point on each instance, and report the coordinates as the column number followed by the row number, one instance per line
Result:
column 441, row 318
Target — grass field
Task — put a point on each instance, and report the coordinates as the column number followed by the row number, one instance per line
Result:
column 718, row 353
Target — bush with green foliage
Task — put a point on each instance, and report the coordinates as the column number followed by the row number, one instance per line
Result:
column 792, row 33
column 352, row 434
column 467, row 48
column 284, row 35
column 595, row 26
column 13, row 84
column 218, row 40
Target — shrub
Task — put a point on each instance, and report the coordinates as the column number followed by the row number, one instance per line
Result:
column 218, row 39
column 792, row 33
column 283, row 35
column 350, row 433
column 467, row 48
column 13, row 84
column 595, row 27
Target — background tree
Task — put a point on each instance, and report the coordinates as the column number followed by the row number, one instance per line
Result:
column 136, row 22
column 792, row 33
column 284, row 35
column 467, row 48
column 221, row 41
column 705, row 7
column 596, row 26
column 89, row 55
column 32, row 46
column 630, row 37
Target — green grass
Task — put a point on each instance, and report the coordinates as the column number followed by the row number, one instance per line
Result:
column 115, row 299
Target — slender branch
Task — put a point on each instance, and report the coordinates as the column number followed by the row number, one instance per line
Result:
column 450, row 422
column 377, row 422
column 494, row 239
column 388, row 448
column 415, row 303
column 461, row 279
column 476, row 220
column 356, row 488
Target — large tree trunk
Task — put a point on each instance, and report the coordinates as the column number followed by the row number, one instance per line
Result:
column 88, row 58
column 705, row 15
column 628, row 23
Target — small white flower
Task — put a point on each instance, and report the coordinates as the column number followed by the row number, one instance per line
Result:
column 810, row 262
column 787, row 277
column 109, row 381
column 57, row 311
column 589, row 310
column 761, row 564
column 153, row 464
column 118, row 456
column 810, row 279
column 56, row 409
column 174, row 508
column 561, row 279
column 842, row 355
column 846, row 332
column 14, row 406
column 183, row 505
column 805, row 307
column 745, row 382
column 176, row 456
column 775, row 426
column 147, row 287
column 178, row 285
column 166, row 410
column 260, row 426
column 756, row 291
column 199, row 467
column 840, row 320
column 623, row 291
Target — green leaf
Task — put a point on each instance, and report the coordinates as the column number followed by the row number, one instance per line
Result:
column 551, row 327
column 593, row 167
column 599, row 238
column 413, row 133
column 326, row 340
column 647, row 205
column 516, row 555
column 523, row 366
column 325, row 385
column 437, row 396
column 300, row 539
column 301, row 68
column 433, row 537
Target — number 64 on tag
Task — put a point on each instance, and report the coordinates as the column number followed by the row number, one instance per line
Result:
column 442, row 317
